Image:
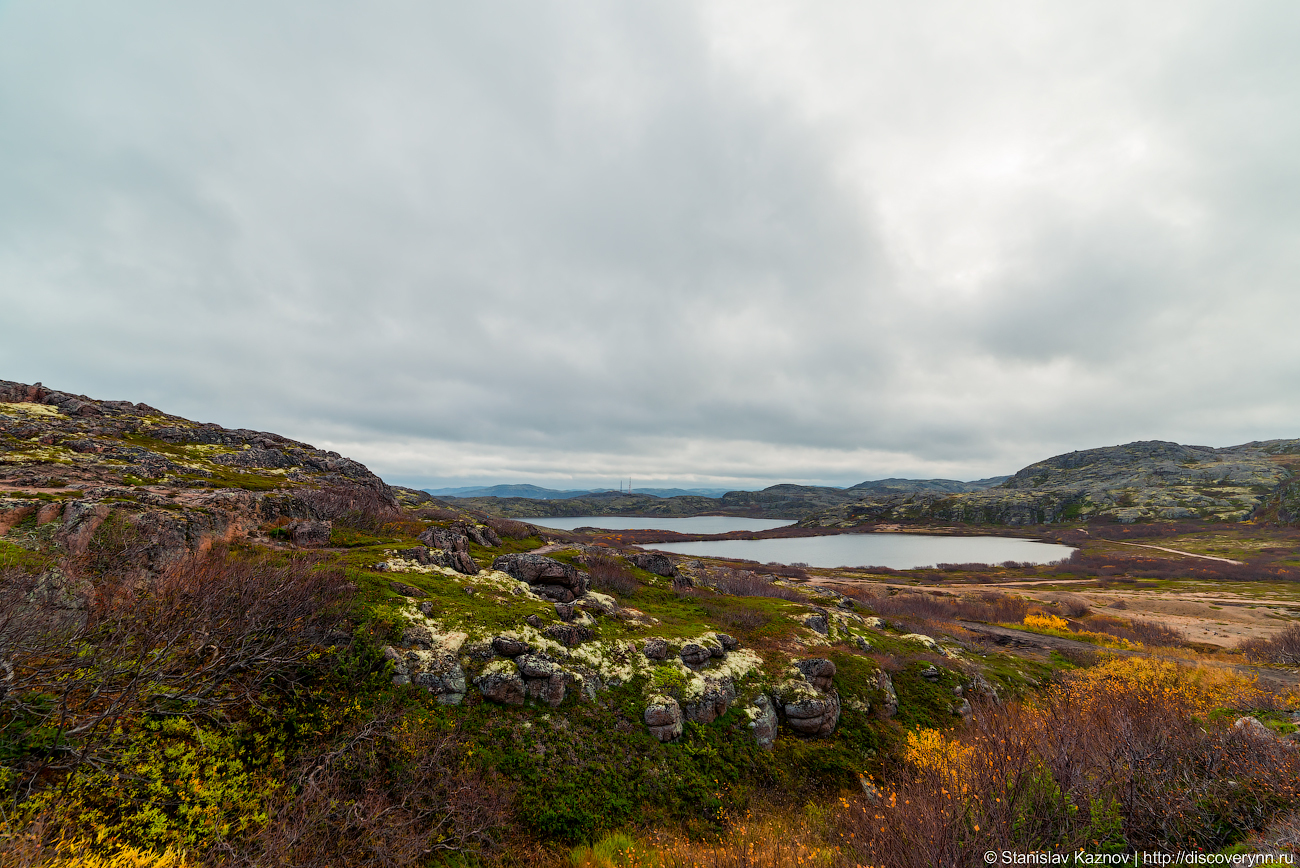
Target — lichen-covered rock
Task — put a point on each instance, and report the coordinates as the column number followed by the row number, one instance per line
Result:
column 548, row 690
column 886, row 685
column 655, row 648
column 712, row 703
column 570, row 635
column 564, row 611
column 544, row 574
column 406, row 590
column 817, row 623
column 818, row 671
column 482, row 535
column 536, row 666
column 510, row 646
column 664, row 717
column 728, row 643
column 446, row 539
column 813, row 715
column 653, row 562
column 762, row 721
column 501, row 683
column 695, row 655
column 309, row 533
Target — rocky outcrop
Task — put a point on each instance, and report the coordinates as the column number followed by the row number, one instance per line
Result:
column 1147, row 480
column 663, row 716
column 763, row 721
column 712, row 703
column 653, row 562
column 806, row 700
column 548, row 577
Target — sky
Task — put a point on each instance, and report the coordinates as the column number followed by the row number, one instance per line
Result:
column 700, row 244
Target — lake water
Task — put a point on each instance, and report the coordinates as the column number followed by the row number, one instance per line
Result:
column 694, row 524
column 900, row 551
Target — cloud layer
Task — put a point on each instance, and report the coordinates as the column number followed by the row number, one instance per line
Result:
column 726, row 243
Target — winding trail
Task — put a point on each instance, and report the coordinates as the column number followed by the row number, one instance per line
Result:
column 1177, row 552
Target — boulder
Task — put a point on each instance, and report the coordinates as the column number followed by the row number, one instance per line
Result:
column 813, row 715
column 817, row 623
column 712, row 703
column 655, row 648
column 501, row 686
column 564, row 611
column 818, row 671
column 886, row 686
column 762, row 721
column 509, row 646
column 482, row 535
column 544, row 573
column 1252, row 729
column 653, row 562
column 536, row 666
column 309, row 533
column 570, row 635
column 727, row 642
column 461, row 562
column 548, row 690
column 421, row 555
column 448, row 539
column 406, row 590
column 695, row 655
column 664, row 718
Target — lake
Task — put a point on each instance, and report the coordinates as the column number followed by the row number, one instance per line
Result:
column 900, row 551
column 694, row 524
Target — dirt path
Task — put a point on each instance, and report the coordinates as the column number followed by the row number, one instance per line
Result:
column 1177, row 552
column 1024, row 639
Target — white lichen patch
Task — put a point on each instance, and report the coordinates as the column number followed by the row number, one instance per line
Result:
column 501, row 667
column 28, row 409
column 500, row 581
column 922, row 639
column 615, row 661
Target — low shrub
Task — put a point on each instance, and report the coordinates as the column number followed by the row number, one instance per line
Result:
column 1280, row 649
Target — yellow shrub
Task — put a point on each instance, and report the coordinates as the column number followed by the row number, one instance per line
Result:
column 1202, row 688
column 1045, row 622
column 84, row 853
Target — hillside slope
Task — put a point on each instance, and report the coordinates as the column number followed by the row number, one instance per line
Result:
column 1146, row 480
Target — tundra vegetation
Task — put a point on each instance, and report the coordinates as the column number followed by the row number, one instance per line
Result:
column 224, row 647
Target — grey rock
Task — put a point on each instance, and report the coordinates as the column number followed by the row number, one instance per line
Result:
column 309, row 533
column 655, row 648
column 509, row 646
column 482, row 535
column 886, row 686
column 446, row 539
column 713, row 703
column 664, row 718
column 571, row 635
column 862, row 643
column 418, row 635
column 728, row 642
column 541, row 570
column 548, row 690
column 653, row 562
column 963, row 709
column 564, row 611
column 419, row 554
column 818, row 671
column 930, row 673
column 558, row 593
column 406, row 590
column 535, row 666
column 817, row 623
column 764, row 723
column 814, row 716
column 505, row 688
column 695, row 655
column 533, row 621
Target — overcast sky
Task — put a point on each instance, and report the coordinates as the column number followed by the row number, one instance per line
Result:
column 718, row 244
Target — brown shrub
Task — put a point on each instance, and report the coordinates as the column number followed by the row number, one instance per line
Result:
column 508, row 527
column 210, row 633
column 743, row 583
column 1120, row 754
column 1281, row 649
column 390, row 794
column 610, row 573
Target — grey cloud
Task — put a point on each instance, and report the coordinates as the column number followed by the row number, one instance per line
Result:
column 757, row 241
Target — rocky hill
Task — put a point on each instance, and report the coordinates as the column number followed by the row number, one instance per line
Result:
column 70, row 461
column 1147, row 480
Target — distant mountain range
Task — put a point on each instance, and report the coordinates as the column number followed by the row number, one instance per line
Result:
column 534, row 492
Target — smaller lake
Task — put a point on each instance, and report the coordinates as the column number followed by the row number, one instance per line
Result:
column 694, row 524
column 899, row 551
